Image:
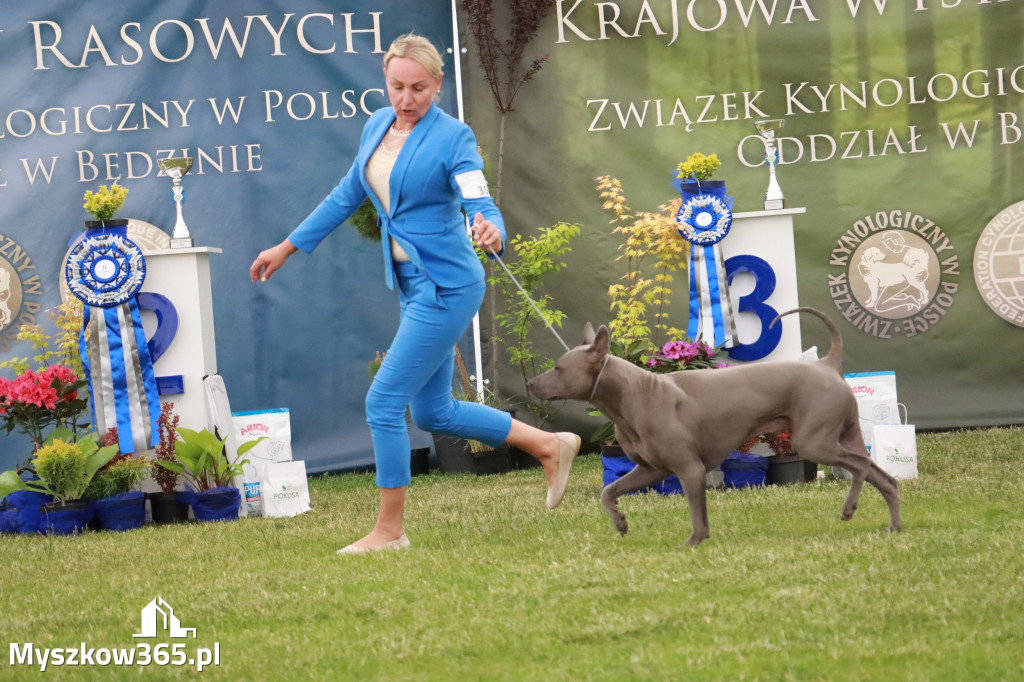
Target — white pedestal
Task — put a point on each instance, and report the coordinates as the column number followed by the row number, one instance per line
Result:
column 182, row 276
column 768, row 235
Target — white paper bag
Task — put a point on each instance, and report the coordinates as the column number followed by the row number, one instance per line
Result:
column 285, row 489
column 876, row 401
column 895, row 450
column 275, row 424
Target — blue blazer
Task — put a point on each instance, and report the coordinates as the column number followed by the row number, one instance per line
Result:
column 437, row 172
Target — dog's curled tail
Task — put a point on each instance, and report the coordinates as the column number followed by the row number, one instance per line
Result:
column 835, row 352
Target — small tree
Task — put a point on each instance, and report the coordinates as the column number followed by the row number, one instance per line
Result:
column 647, row 235
column 503, row 65
column 537, row 256
column 502, row 60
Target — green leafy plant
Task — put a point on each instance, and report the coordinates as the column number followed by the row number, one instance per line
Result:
column 536, row 257
column 200, row 459
column 121, row 474
column 699, row 167
column 65, row 466
column 106, row 202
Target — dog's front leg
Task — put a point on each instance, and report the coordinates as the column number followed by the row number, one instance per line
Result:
column 640, row 477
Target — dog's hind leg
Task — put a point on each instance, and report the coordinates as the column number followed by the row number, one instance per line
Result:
column 694, row 485
column 640, row 477
column 889, row 489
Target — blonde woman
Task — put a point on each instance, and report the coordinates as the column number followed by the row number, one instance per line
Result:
column 420, row 168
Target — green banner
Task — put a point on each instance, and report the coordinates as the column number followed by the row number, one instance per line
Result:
column 903, row 137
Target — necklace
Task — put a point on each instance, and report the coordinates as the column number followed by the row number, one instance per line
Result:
column 401, row 133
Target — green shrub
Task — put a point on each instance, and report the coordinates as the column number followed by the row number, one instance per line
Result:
column 62, row 467
column 118, row 477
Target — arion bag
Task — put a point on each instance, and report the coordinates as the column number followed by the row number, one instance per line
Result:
column 275, row 424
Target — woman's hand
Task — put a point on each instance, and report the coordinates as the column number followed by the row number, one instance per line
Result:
column 486, row 234
column 270, row 260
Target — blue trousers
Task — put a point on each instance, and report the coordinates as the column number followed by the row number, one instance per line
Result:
column 417, row 372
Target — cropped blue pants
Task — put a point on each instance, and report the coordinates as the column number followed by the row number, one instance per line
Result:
column 417, row 372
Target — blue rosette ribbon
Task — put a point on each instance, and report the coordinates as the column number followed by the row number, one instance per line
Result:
column 704, row 219
column 106, row 270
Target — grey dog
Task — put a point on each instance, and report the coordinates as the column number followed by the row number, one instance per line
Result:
column 688, row 422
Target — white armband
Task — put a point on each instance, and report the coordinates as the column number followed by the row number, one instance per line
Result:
column 472, row 184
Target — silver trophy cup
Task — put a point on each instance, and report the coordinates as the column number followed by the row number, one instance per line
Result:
column 175, row 168
column 769, row 130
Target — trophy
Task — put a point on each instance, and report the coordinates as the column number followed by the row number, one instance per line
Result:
column 773, row 198
column 174, row 168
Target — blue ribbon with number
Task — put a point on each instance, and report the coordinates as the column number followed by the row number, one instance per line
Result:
column 105, row 270
column 704, row 219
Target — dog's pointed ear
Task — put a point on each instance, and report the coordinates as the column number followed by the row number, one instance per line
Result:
column 601, row 341
column 588, row 334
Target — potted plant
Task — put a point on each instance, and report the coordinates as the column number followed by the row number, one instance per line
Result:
column 694, row 176
column 167, row 506
column 201, row 462
column 65, row 467
column 118, row 505
column 39, row 399
column 104, row 204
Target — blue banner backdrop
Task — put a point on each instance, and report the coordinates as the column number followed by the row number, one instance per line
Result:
column 269, row 98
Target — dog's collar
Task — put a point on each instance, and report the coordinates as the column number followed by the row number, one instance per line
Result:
column 598, row 380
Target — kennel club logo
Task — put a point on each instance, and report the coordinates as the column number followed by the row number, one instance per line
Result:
column 999, row 264
column 894, row 273
column 20, row 290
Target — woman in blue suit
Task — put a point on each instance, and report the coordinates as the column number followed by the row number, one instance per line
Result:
column 420, row 168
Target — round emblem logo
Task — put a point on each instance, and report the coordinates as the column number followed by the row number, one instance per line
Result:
column 21, row 290
column 894, row 272
column 999, row 264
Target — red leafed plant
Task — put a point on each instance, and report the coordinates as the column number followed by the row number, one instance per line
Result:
column 780, row 443
column 167, row 425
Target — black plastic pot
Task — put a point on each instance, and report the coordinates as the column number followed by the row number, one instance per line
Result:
column 167, row 508
column 787, row 469
column 420, row 461
column 454, row 457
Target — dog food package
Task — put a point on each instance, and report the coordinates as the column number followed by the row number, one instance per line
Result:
column 876, row 401
column 284, row 489
column 276, row 426
column 895, row 450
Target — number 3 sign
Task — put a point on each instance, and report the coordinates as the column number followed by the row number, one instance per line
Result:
column 760, row 248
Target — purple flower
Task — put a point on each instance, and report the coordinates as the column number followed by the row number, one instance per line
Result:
column 680, row 350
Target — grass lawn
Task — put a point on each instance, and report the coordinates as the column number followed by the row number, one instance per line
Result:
column 496, row 587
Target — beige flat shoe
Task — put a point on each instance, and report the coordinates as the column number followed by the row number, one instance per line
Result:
column 568, row 447
column 400, row 543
